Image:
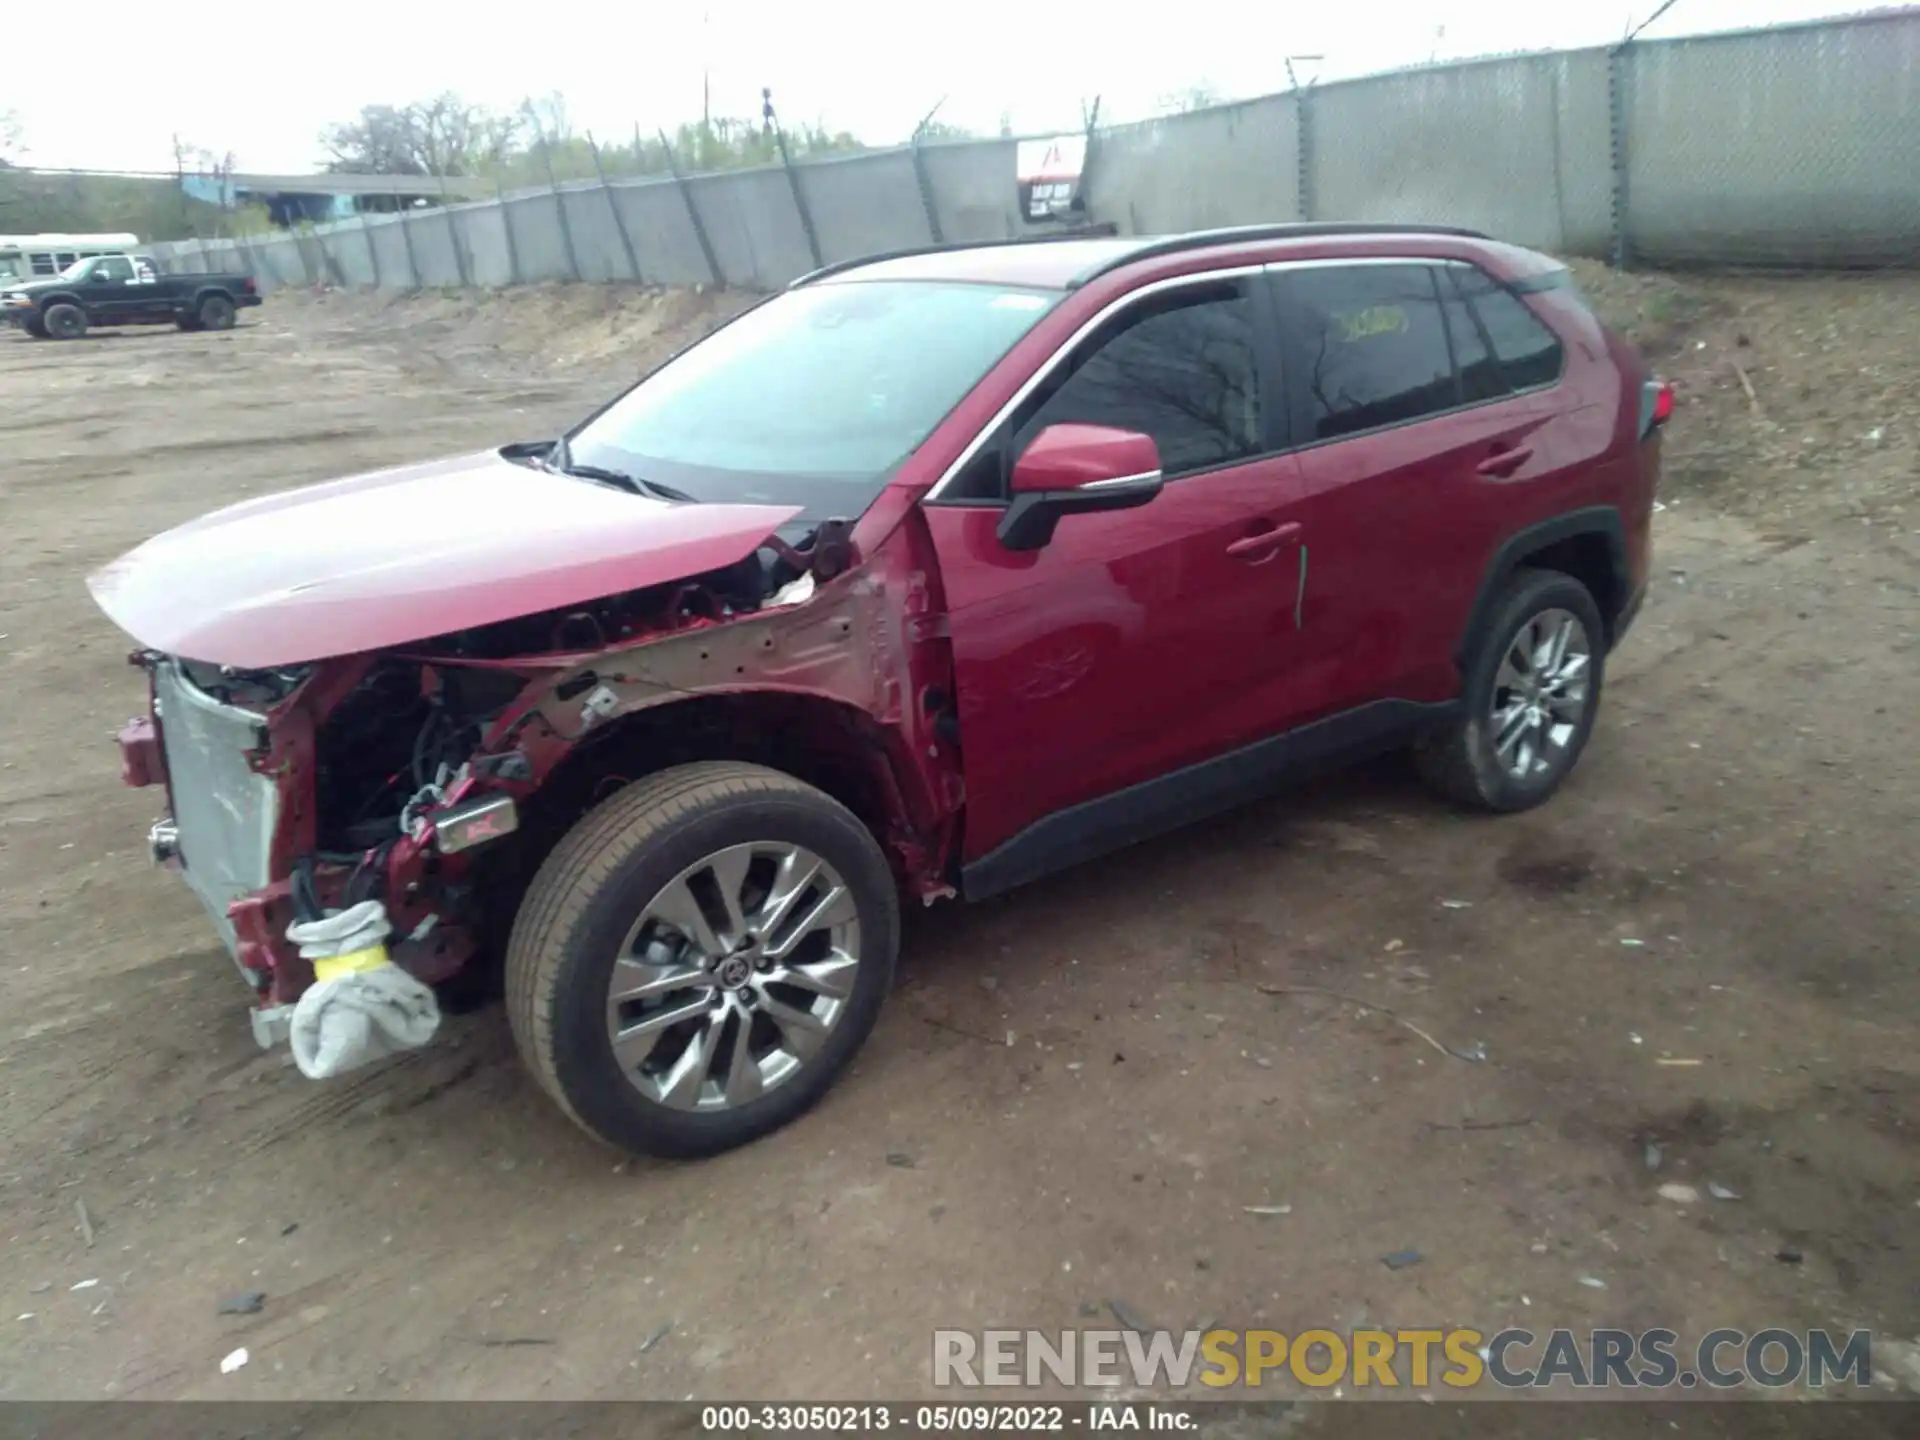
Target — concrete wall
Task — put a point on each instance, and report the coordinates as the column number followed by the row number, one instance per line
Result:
column 1795, row 145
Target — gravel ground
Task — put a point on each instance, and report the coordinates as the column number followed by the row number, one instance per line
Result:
column 1079, row 1090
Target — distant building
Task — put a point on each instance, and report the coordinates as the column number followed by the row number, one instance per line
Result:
column 316, row 199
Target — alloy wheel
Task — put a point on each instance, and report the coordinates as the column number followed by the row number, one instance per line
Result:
column 733, row 976
column 1540, row 694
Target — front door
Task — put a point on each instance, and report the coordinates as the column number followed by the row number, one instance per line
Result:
column 111, row 293
column 1135, row 642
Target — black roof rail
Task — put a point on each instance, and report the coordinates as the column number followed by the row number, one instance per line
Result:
column 1299, row 230
column 1053, row 237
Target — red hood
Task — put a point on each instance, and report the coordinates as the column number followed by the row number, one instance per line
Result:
column 400, row 555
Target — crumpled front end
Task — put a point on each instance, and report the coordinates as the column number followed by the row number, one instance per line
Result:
column 397, row 774
column 252, row 829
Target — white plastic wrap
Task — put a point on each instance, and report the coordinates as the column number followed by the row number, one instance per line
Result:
column 364, row 1012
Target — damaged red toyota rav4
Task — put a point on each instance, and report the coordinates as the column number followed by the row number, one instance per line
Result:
column 931, row 575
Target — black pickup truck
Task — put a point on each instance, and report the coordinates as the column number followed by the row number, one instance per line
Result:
column 123, row 290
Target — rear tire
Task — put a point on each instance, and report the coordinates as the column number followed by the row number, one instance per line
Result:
column 215, row 313
column 686, row 1037
column 65, row 322
column 1531, row 694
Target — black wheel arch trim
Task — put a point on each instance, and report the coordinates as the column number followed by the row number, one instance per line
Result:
column 1602, row 520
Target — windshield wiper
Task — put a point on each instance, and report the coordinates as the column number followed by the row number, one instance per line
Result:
column 639, row 485
column 559, row 459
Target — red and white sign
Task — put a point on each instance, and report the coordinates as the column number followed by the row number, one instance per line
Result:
column 1048, row 173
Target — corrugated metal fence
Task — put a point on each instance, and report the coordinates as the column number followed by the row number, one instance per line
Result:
column 1798, row 145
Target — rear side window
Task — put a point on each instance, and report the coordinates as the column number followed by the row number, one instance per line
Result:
column 1529, row 354
column 1371, row 346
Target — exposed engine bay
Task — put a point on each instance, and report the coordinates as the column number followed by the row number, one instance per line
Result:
column 390, row 747
column 659, row 610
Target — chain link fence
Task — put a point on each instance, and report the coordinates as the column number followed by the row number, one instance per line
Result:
column 1793, row 146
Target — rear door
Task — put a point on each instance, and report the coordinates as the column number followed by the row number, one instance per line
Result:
column 1136, row 642
column 1412, row 435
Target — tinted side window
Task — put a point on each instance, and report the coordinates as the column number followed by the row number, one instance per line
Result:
column 113, row 268
column 1372, row 346
column 1480, row 375
column 1185, row 373
column 1529, row 353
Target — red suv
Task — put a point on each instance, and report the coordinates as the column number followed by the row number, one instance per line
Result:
column 930, row 575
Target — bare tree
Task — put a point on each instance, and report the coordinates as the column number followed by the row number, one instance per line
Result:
column 442, row 135
column 549, row 115
column 379, row 142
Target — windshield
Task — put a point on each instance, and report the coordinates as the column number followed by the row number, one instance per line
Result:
column 78, row 268
column 814, row 398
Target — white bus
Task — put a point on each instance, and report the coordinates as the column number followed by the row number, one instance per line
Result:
column 34, row 257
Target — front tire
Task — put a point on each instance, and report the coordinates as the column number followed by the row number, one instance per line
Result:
column 36, row 327
column 65, row 322
column 701, row 957
column 1531, row 694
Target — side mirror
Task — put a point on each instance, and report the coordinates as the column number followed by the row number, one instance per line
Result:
column 1076, row 469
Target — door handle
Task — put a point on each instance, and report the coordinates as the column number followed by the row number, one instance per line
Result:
column 1266, row 541
column 1505, row 462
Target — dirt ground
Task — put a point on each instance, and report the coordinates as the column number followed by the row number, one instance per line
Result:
column 1079, row 1095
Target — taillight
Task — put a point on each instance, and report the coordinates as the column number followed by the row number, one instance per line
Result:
column 1656, row 406
column 246, row 284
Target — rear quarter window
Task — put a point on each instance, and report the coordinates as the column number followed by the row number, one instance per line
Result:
column 1528, row 352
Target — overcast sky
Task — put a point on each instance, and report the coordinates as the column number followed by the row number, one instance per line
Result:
column 870, row 66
